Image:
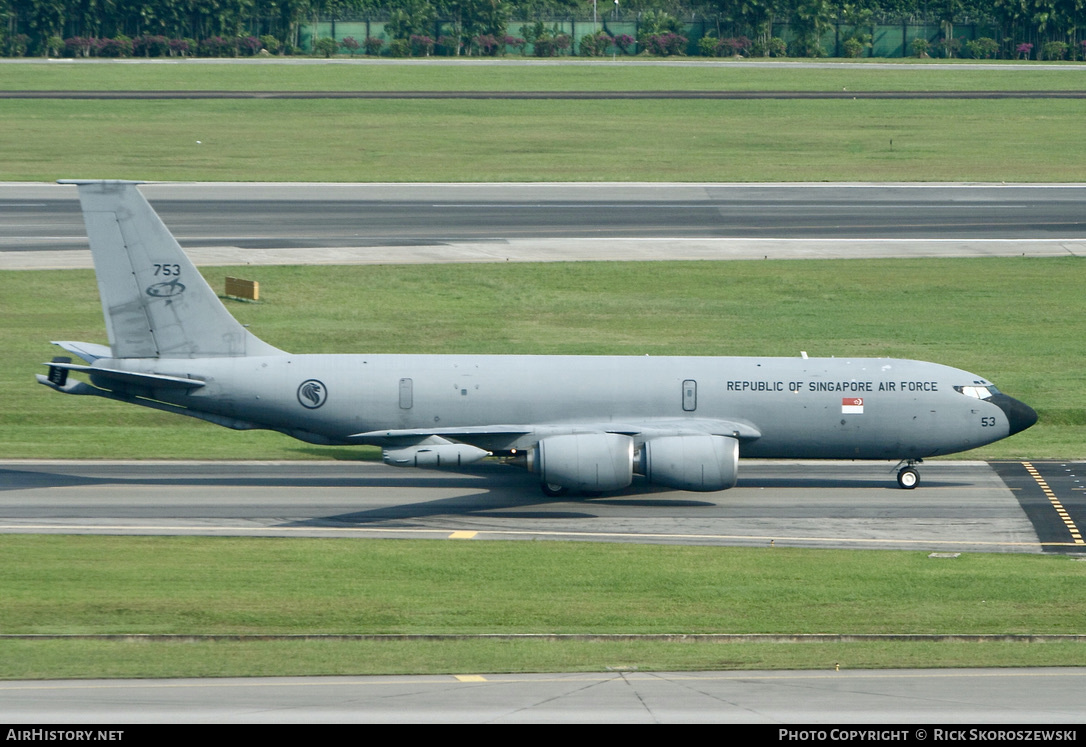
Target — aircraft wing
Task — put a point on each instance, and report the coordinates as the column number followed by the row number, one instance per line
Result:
column 523, row 435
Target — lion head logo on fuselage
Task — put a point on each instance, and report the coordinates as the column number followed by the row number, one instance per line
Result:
column 312, row 394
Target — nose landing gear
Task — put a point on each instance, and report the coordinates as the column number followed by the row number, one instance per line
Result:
column 908, row 477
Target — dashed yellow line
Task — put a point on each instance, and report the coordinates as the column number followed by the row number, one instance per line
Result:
column 1076, row 535
column 465, row 535
column 470, row 678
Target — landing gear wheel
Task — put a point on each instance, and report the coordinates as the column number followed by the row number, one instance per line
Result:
column 908, row 478
column 552, row 491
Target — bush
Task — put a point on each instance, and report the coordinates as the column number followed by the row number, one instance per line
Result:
column 271, row 43
column 595, row 45
column 399, row 48
column 249, row 45
column 1023, row 51
column 773, row 47
column 625, row 43
column 449, row 45
column 80, row 46
column 373, row 45
column 218, row 46
column 326, row 46
column 421, row 45
column 551, row 46
column 17, row 45
column 807, row 46
column 1054, row 50
column 118, row 46
column 734, row 46
column 982, row 48
column 949, row 47
column 664, row 45
column 181, row 47
column 921, row 47
column 515, row 43
column 150, row 46
column 853, row 47
column 487, row 45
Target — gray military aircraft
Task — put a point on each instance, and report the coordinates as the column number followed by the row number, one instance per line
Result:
column 585, row 423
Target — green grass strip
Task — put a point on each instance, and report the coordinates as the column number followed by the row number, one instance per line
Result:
column 457, row 140
column 189, row 585
column 584, row 75
column 175, row 585
column 94, row 659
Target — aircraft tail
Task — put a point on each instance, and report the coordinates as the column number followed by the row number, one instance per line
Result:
column 156, row 303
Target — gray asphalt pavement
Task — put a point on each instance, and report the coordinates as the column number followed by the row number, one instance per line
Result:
column 827, row 699
column 961, row 506
column 41, row 225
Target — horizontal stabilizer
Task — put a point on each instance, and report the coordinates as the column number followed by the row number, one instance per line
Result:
column 88, row 351
column 156, row 381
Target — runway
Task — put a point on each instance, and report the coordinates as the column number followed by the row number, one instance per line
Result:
column 932, row 697
column 226, row 224
column 960, row 507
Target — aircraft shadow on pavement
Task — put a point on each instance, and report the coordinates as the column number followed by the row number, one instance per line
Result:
column 26, row 479
column 490, row 492
column 869, row 483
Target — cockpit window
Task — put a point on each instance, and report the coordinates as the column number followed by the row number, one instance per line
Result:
column 977, row 391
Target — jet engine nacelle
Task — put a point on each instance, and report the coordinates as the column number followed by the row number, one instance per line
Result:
column 703, row 463
column 584, row 461
column 434, row 455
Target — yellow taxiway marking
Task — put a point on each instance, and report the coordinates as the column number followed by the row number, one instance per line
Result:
column 1076, row 535
column 470, row 678
column 462, row 535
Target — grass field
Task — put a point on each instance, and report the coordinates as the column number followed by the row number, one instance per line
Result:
column 501, row 140
column 229, row 586
column 1007, row 319
column 531, row 75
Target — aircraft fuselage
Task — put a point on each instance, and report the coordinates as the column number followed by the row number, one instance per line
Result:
column 818, row 408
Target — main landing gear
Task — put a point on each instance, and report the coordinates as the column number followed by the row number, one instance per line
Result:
column 557, row 491
column 908, row 477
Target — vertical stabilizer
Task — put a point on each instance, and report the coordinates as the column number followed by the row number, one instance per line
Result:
column 156, row 303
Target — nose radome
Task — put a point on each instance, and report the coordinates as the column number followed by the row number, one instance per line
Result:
column 1019, row 414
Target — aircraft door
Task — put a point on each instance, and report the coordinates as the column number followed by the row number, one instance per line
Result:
column 690, row 395
column 407, row 394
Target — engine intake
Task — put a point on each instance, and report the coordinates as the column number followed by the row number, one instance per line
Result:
column 584, row 461
column 702, row 463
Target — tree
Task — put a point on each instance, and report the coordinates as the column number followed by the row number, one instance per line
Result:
column 410, row 18
column 810, row 21
column 476, row 18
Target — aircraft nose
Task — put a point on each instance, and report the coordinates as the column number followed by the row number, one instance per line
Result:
column 1019, row 414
